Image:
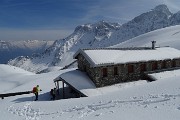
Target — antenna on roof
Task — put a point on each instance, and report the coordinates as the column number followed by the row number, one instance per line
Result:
column 153, row 44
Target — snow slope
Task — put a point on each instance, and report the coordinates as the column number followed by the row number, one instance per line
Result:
column 168, row 36
column 157, row 100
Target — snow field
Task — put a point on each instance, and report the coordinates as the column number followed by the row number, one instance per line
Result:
column 157, row 100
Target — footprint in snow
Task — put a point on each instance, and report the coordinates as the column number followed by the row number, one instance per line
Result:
column 98, row 114
column 26, row 111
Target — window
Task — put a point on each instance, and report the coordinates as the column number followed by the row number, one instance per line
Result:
column 173, row 63
column 130, row 68
column 84, row 67
column 115, row 70
column 142, row 67
column 154, row 66
column 104, row 72
column 163, row 64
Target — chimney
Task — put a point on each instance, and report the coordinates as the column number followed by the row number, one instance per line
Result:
column 153, row 44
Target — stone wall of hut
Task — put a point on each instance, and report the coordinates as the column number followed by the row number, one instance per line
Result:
column 123, row 74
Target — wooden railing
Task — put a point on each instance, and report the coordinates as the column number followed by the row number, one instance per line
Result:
column 14, row 94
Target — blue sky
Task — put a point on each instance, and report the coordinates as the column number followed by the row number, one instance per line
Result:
column 55, row 19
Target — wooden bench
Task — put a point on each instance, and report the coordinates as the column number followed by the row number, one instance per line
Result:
column 14, row 94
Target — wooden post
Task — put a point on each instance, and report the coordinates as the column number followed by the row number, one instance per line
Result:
column 63, row 90
column 58, row 87
column 55, row 85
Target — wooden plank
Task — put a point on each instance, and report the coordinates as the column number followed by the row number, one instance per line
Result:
column 63, row 90
column 14, row 94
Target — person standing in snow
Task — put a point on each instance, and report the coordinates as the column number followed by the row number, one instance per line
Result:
column 53, row 93
column 36, row 91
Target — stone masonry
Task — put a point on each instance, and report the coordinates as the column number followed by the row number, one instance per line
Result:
column 123, row 75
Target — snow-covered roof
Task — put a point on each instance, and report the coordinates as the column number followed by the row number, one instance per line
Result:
column 110, row 56
column 81, row 82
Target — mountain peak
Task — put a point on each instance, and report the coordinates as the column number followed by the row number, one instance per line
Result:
column 105, row 24
column 98, row 25
column 162, row 8
column 83, row 28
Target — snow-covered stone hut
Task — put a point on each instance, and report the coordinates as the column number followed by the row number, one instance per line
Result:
column 107, row 66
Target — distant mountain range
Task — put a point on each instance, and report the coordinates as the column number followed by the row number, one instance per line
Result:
column 100, row 34
column 11, row 49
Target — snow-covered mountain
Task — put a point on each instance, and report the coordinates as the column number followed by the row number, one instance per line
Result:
column 168, row 36
column 100, row 34
column 12, row 49
column 155, row 19
column 61, row 52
